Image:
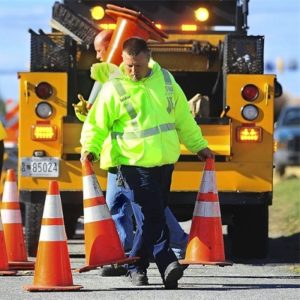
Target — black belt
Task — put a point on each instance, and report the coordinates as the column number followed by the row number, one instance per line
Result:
column 113, row 170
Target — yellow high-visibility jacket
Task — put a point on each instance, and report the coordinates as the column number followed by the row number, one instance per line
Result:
column 104, row 71
column 146, row 120
column 100, row 72
column 2, row 132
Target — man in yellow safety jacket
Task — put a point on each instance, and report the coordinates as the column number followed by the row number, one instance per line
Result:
column 117, row 197
column 100, row 72
column 146, row 115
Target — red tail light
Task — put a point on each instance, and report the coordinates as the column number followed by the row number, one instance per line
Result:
column 250, row 92
column 44, row 90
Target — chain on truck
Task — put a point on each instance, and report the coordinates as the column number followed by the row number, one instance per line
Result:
column 215, row 62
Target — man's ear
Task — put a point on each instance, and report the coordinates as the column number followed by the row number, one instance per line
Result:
column 149, row 56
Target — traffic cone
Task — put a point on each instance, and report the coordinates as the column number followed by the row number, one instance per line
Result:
column 129, row 23
column 4, row 270
column 205, row 245
column 12, row 225
column 52, row 269
column 102, row 242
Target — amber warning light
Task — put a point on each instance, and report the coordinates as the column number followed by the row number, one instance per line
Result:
column 202, row 14
column 97, row 13
column 249, row 134
column 43, row 132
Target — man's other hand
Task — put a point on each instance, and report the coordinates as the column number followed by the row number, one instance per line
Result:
column 86, row 156
column 81, row 106
column 205, row 153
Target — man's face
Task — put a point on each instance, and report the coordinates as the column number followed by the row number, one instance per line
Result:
column 136, row 67
column 100, row 49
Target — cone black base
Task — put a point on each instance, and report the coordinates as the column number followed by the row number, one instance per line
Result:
column 7, row 273
column 34, row 288
column 218, row 263
column 116, row 262
column 21, row 265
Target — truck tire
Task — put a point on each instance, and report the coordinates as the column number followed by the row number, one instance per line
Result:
column 34, row 213
column 33, row 218
column 182, row 205
column 249, row 231
column 281, row 170
column 70, row 219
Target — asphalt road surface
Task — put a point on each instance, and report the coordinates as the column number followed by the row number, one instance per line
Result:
column 271, row 278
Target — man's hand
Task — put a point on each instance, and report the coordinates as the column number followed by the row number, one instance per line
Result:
column 199, row 106
column 81, row 106
column 86, row 156
column 205, row 153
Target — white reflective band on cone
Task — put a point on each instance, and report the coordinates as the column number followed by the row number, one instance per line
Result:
column 91, row 188
column 11, row 216
column 207, row 209
column 208, row 183
column 96, row 213
column 52, row 233
column 10, row 192
column 52, row 207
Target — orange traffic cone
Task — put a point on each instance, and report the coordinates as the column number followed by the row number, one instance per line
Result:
column 102, row 242
column 53, row 269
column 4, row 270
column 129, row 23
column 205, row 245
column 12, row 225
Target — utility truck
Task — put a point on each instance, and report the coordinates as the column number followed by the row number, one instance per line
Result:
column 205, row 45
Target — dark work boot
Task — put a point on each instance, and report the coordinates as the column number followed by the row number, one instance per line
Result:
column 112, row 271
column 138, row 278
column 173, row 273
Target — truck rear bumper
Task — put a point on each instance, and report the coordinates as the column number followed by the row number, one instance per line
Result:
column 225, row 198
column 183, row 203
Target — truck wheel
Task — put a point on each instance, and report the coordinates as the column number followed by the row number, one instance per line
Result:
column 182, row 205
column 249, row 232
column 34, row 206
column 281, row 170
column 70, row 219
column 70, row 225
column 33, row 218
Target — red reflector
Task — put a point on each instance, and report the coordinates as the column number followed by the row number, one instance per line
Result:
column 248, row 134
column 250, row 92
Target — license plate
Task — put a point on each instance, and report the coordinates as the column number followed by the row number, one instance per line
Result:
column 40, row 167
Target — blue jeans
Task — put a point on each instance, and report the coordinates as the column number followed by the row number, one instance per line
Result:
column 118, row 199
column 151, row 187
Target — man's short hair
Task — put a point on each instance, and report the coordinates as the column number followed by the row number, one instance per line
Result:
column 135, row 45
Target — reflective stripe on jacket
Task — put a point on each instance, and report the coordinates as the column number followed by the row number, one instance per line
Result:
column 146, row 120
